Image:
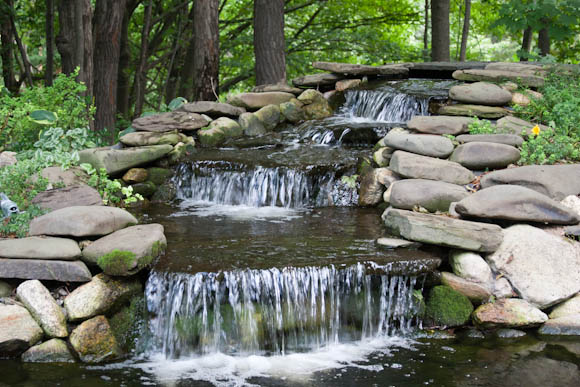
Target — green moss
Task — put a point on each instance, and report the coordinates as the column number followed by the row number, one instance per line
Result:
column 128, row 323
column 118, row 262
column 446, row 307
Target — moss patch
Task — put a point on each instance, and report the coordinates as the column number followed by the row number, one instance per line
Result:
column 446, row 307
column 118, row 262
column 127, row 324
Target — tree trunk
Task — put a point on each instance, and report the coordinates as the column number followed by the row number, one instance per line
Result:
column 65, row 39
column 7, row 51
column 108, row 26
column 187, row 70
column 465, row 33
column 426, row 33
column 440, row 30
column 26, row 66
column 526, row 44
column 544, row 41
column 141, row 70
column 269, row 43
column 49, row 31
column 207, row 51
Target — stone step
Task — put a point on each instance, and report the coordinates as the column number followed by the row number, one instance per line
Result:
column 61, row 271
column 422, row 167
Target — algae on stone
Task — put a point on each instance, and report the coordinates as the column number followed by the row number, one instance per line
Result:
column 447, row 307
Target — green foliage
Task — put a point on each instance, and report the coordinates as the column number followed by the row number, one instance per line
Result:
column 43, row 117
column 549, row 147
column 112, row 191
column 478, row 126
column 350, row 181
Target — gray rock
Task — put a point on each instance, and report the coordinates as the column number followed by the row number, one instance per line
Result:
column 440, row 124
column 480, row 111
column 82, row 221
column 499, row 76
column 476, row 293
column 127, row 251
column 444, row 231
column 395, row 243
column 212, row 109
column 382, row 157
column 5, row 289
column 56, row 176
column 283, row 87
column 255, row 101
column 43, row 308
column 386, row 177
column 316, row 80
column 62, row 271
column 150, row 138
column 508, row 313
column 315, row 107
column 167, row 122
column 480, row 93
column 94, row 342
column 550, row 180
column 18, row 330
column 423, row 144
column 573, row 203
column 358, row 69
column 115, row 161
column 251, row 125
column 100, row 296
column 482, row 155
column 515, row 203
column 519, row 67
column 40, row 248
column 542, row 268
column 346, row 84
column 506, row 333
column 503, row 289
column 429, row 194
column 292, row 111
column 57, row 198
column 567, row 308
column 562, row 326
column 470, row 266
column 269, row 116
column 507, row 139
column 51, row 351
column 7, row 158
column 219, row 131
column 422, row 167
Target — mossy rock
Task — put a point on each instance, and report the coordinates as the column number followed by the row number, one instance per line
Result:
column 127, row 324
column 447, row 307
column 159, row 176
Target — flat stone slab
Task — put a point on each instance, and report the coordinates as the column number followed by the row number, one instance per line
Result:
column 422, row 167
column 475, row 75
column 422, row 144
column 480, row 93
column 440, row 124
column 480, row 111
column 443, row 231
column 508, row 313
column 82, row 221
column 255, row 101
column 79, row 195
column 316, row 80
column 429, row 194
column 562, row 326
column 283, row 87
column 514, row 125
column 555, row 181
column 167, row 122
column 115, row 161
column 395, row 243
column 40, row 248
column 515, row 203
column 61, row 271
column 18, row 330
column 358, row 69
column 476, row 293
column 212, row 109
column 150, row 138
column 485, row 155
column 517, row 67
column 507, row 139
column 542, row 268
column 39, row 302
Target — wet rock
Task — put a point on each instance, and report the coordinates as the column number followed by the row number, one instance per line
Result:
column 5, row 289
column 476, row 293
column 508, row 313
column 394, row 243
column 43, row 308
column 218, row 131
column 211, row 137
column 480, row 93
column 507, row 139
column 316, row 107
column 371, row 189
column 422, row 167
column 79, row 195
column 150, row 138
column 484, row 155
column 382, row 157
column 135, row 175
column 94, row 341
column 444, row 231
column 7, row 158
column 517, row 126
column 316, row 80
column 447, row 307
column 567, row 308
column 18, row 330
column 165, row 193
column 251, row 125
column 358, row 69
column 146, row 189
column 127, row 251
column 255, row 101
column 440, row 124
column 292, row 111
column 470, row 266
column 269, row 116
column 82, row 221
column 506, row 333
column 40, row 248
column 212, row 109
column 158, row 176
column 347, row 84
column 277, row 87
column 51, row 351
column 423, row 144
column 562, row 326
column 56, row 176
column 429, row 194
column 51, row 270
column 480, row 111
column 100, row 296
column 543, row 269
column 180, row 152
column 167, row 122
column 515, row 203
column 116, row 161
column 496, row 76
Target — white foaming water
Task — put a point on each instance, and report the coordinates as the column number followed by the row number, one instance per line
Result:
column 239, row 212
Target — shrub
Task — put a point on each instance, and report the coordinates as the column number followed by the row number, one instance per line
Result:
column 478, row 126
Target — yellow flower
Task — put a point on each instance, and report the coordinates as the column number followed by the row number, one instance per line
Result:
column 536, row 130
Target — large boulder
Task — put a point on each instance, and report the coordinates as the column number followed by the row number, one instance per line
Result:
column 480, row 111
column 543, row 269
column 251, row 125
column 440, row 124
column 315, row 106
column 551, row 180
column 562, row 326
column 567, row 308
column 51, row 270
column 508, row 313
column 484, row 155
column 442, row 230
column 127, row 251
column 255, row 101
column 496, row 76
column 422, row 144
column 57, row 198
column 212, row 109
column 507, row 139
column 57, row 176
column 219, row 131
column 167, row 122
column 100, row 296
column 292, row 111
column 40, row 248
column 476, row 293
column 447, row 307
column 115, row 161
column 422, row 167
column 51, row 351
column 515, row 203
column 18, row 330
column 94, row 341
column 429, row 194
column 358, row 69
column 480, row 93
column 150, row 138
column 517, row 126
column 269, row 116
column 37, row 299
column 317, row 80
column 82, row 221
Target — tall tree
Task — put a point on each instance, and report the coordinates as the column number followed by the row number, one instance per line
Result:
column 426, row 32
column 465, row 32
column 141, row 71
column 544, row 40
column 49, row 32
column 206, row 48
column 7, row 48
column 269, row 42
column 440, row 30
column 526, row 44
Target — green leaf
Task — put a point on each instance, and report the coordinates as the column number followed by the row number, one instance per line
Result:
column 43, row 117
column 176, row 103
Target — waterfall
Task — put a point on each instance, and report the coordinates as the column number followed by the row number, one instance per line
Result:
column 275, row 311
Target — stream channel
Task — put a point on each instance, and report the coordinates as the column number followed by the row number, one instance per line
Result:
column 272, row 276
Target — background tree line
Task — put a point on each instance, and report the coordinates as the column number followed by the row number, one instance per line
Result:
column 137, row 55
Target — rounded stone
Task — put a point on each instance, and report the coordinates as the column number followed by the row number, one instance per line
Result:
column 485, row 155
column 447, row 307
column 480, row 93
